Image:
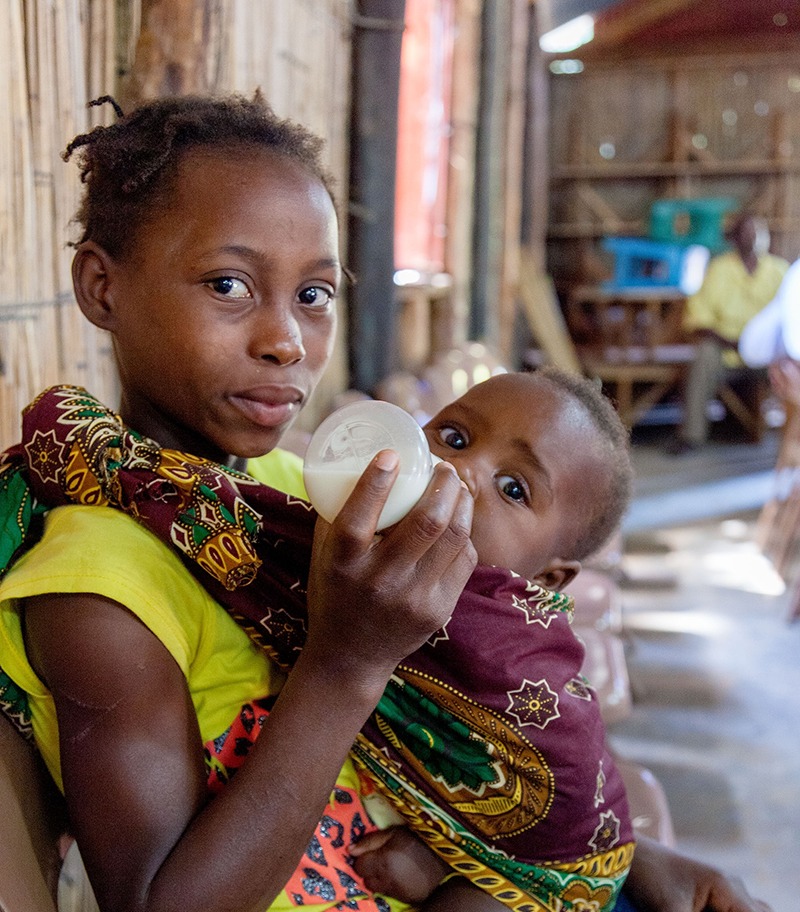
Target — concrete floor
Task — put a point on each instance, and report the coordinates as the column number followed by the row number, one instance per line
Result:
column 714, row 664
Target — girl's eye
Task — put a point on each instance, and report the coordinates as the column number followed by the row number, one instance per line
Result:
column 512, row 488
column 452, row 438
column 230, row 287
column 316, row 296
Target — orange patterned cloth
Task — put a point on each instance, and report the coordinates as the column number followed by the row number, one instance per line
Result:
column 325, row 873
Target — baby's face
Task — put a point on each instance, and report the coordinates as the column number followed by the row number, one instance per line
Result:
column 532, row 461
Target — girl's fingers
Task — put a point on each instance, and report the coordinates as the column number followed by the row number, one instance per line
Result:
column 358, row 518
column 438, row 526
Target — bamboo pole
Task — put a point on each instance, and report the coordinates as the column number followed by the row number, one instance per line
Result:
column 376, row 74
column 513, row 181
column 461, row 173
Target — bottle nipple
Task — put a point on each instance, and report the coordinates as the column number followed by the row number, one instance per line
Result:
column 347, row 440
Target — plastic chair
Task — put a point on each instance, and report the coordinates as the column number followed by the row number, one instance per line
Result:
column 606, row 670
column 647, row 801
column 597, row 601
column 452, row 373
column 645, row 263
column 695, row 221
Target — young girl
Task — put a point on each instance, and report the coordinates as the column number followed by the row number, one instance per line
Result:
column 209, row 252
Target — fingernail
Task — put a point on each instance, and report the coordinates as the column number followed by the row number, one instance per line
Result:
column 386, row 460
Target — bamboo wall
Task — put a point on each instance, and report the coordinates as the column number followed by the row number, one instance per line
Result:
column 55, row 55
column 624, row 134
column 59, row 54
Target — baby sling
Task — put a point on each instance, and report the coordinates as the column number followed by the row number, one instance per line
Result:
column 487, row 740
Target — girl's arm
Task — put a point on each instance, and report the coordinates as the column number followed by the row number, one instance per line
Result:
column 131, row 753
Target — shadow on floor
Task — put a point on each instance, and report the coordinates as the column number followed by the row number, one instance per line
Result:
column 713, row 662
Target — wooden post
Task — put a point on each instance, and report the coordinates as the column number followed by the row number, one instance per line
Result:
column 377, row 35
column 453, row 311
column 536, row 167
column 507, row 311
column 170, row 51
column 489, row 164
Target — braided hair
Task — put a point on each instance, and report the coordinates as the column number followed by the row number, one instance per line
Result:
column 128, row 168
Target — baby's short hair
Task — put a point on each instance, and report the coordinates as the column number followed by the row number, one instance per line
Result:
column 609, row 505
column 127, row 166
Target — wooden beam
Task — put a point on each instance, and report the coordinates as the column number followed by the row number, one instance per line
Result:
column 625, row 20
column 536, row 167
column 377, row 38
column 489, row 170
column 515, row 103
column 461, row 167
column 170, row 54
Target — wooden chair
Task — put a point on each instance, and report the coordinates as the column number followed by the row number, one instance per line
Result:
column 743, row 392
column 630, row 340
column 778, row 527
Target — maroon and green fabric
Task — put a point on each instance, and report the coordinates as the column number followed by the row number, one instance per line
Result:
column 487, row 740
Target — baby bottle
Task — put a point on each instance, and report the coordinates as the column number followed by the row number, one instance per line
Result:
column 347, row 440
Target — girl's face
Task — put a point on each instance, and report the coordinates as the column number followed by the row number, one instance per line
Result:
column 223, row 313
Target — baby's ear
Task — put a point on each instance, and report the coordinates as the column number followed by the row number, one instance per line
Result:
column 91, row 279
column 558, row 574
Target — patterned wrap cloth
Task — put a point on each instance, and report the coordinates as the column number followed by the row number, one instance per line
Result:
column 487, row 740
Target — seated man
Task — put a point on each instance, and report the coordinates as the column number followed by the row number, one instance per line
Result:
column 737, row 285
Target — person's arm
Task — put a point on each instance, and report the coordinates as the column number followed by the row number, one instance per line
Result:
column 397, row 863
column 706, row 332
column 761, row 340
column 131, row 753
column 702, row 308
column 774, row 331
column 663, row 880
column 789, row 296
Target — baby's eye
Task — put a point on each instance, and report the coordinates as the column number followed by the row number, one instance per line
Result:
column 452, row 438
column 230, row 287
column 316, row 296
column 512, row 488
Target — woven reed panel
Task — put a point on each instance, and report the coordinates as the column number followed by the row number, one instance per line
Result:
column 626, row 134
column 59, row 54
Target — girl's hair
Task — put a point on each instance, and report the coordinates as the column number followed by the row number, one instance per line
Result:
column 609, row 505
column 128, row 167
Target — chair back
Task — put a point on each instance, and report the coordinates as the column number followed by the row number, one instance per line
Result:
column 31, row 821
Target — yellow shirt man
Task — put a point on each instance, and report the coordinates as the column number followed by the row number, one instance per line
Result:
column 730, row 296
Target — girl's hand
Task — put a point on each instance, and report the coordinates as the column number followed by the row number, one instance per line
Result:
column 661, row 880
column 373, row 600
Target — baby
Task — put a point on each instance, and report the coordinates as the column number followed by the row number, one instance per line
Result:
column 487, row 742
column 546, row 461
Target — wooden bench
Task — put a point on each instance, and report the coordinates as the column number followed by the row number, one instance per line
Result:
column 631, row 341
